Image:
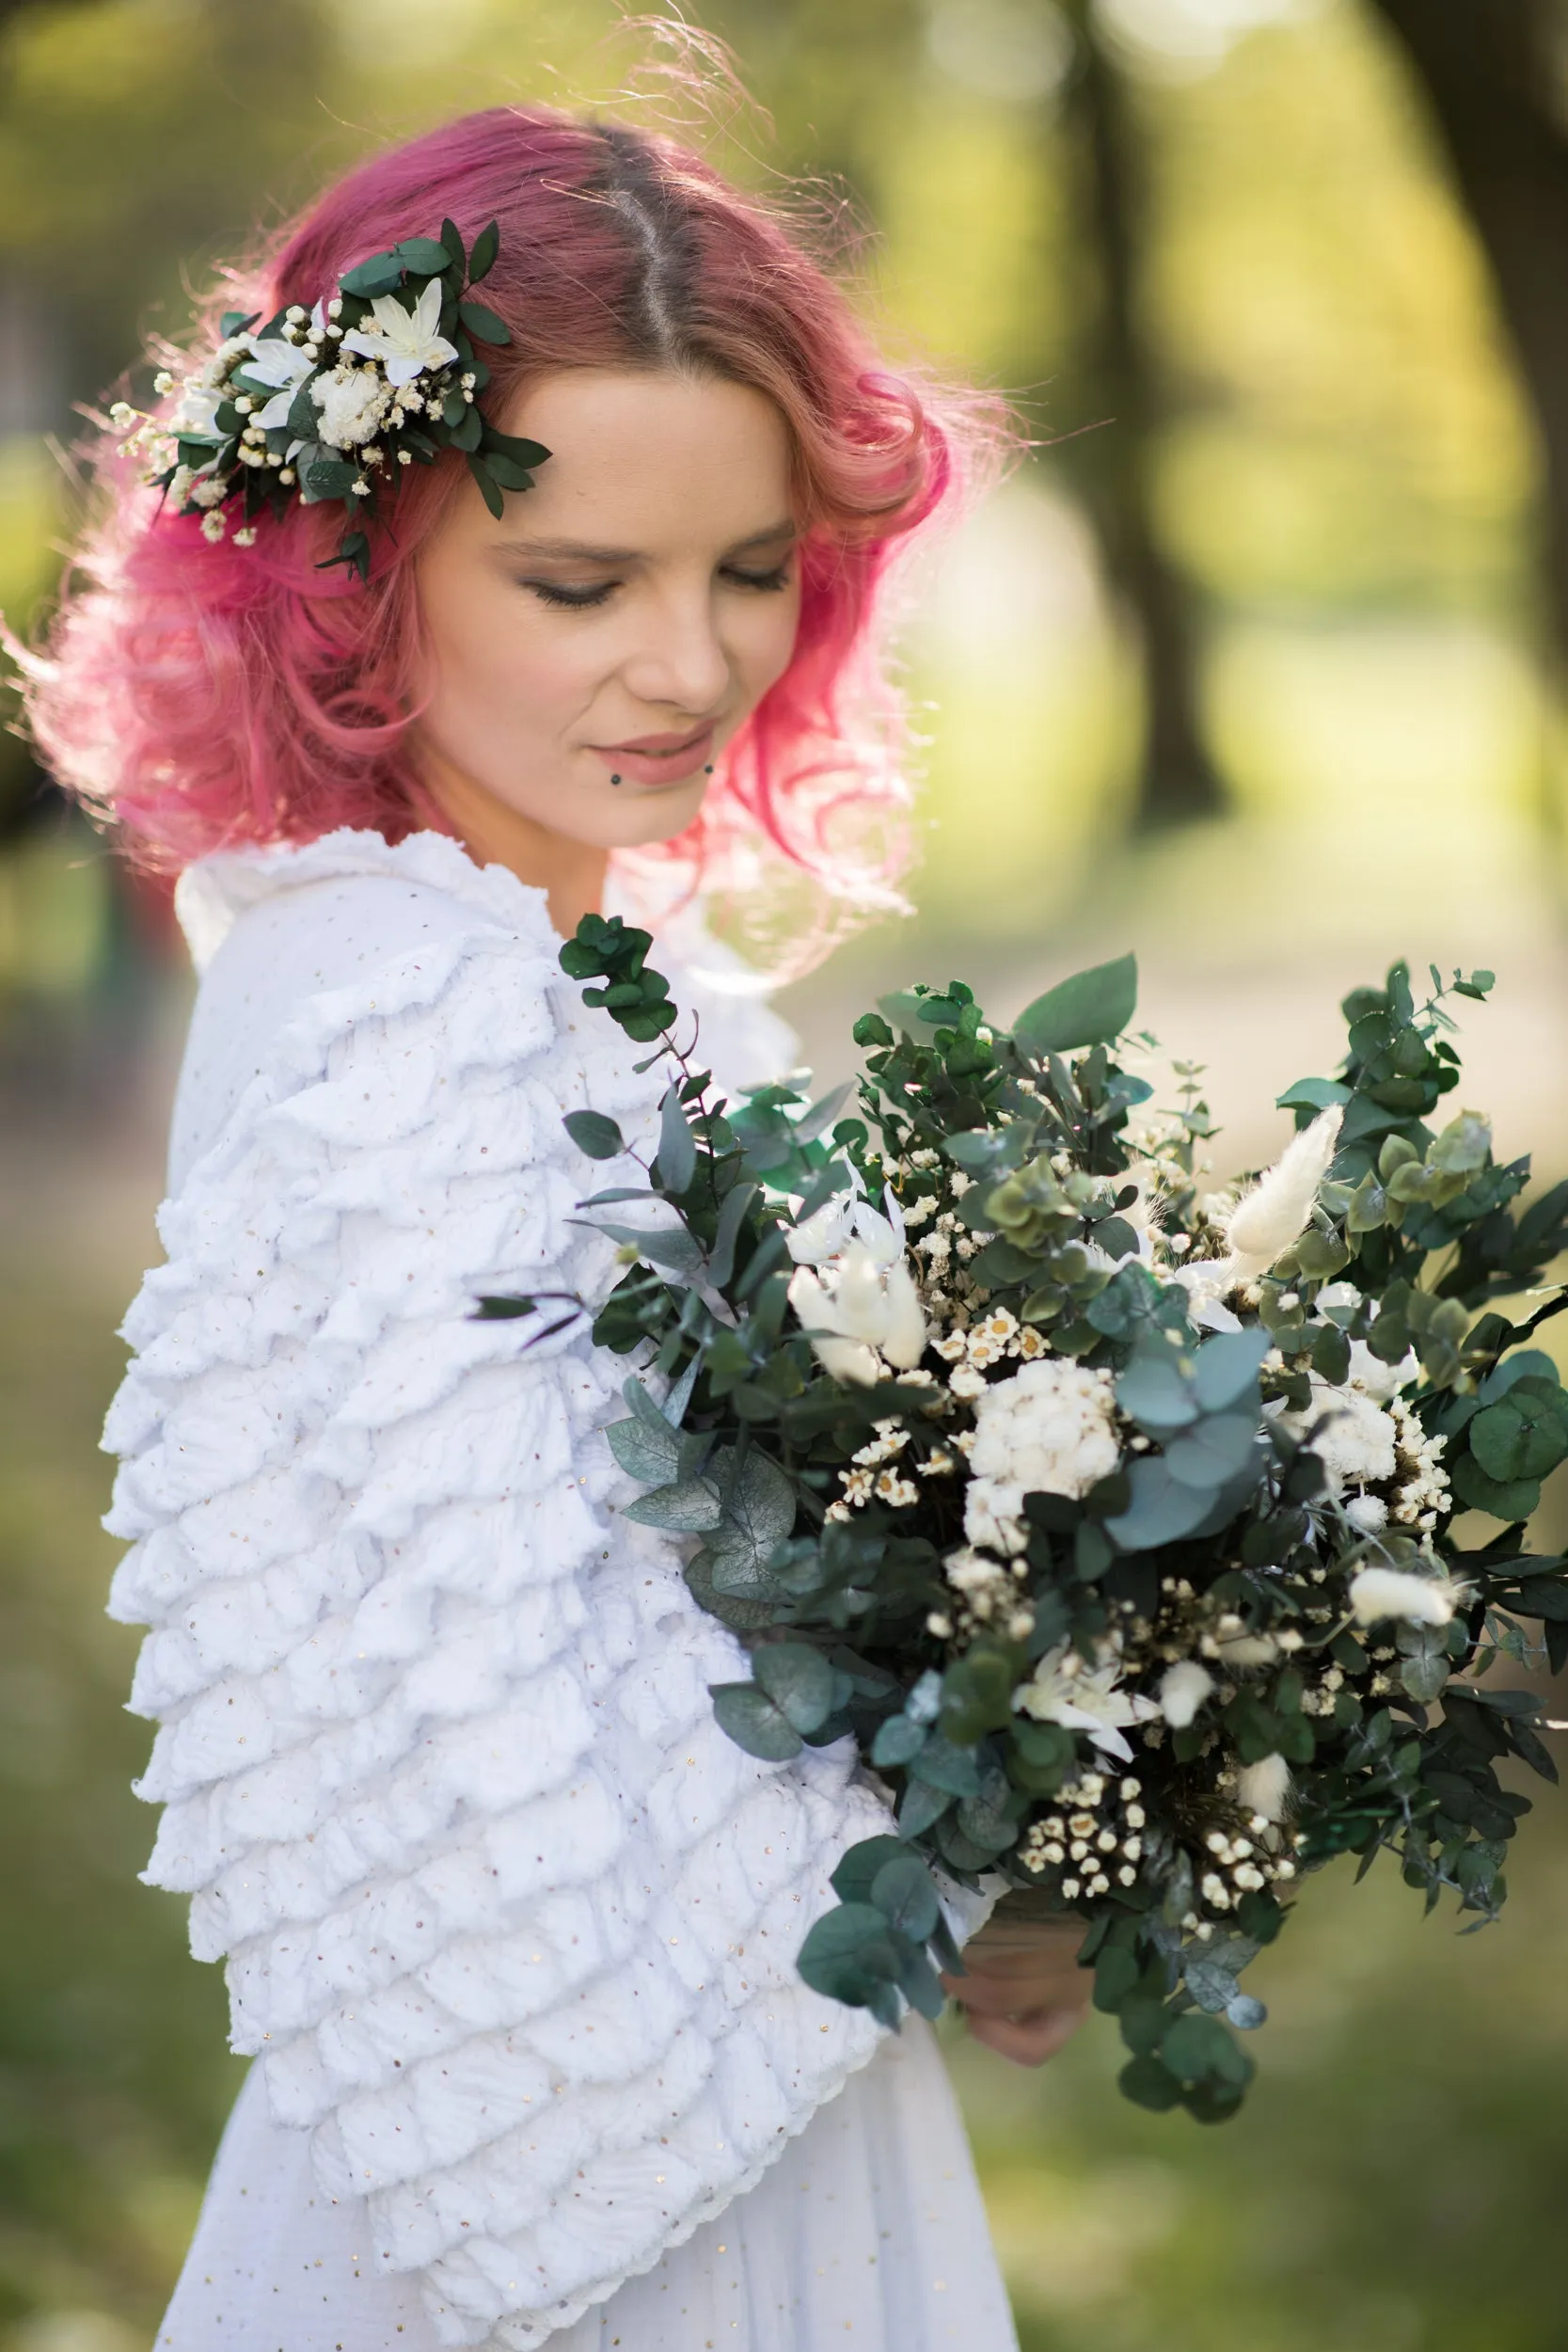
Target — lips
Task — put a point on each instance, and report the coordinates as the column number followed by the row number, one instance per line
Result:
column 659, row 759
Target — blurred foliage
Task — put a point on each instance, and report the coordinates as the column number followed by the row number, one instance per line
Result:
column 1392, row 2188
column 1346, row 480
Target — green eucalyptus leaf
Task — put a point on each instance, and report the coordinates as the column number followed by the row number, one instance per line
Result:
column 523, row 452
column 1148, row 2083
column 941, row 1765
column 1504, row 1499
column 799, row 1680
column 482, row 261
column 759, row 1514
column 595, row 1134
column 1527, row 1363
column 689, row 1507
column 1153, row 1392
column 852, row 1954
column 505, row 470
column 920, row 1806
column 670, row 1247
column 382, row 273
column 1163, row 1509
column 1213, row 1451
column 898, row 1740
column 677, row 1151
column 1199, row 2049
column 749, row 1717
column 1226, row 1368
column 904, row 1891
column 1313, row 1094
column 489, row 489
column 643, row 1453
column 425, row 256
column 856, row 1872
column 1091, row 1009
column 1519, row 1437
column 484, row 325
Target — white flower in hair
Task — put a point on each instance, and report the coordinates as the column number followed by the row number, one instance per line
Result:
column 405, row 342
column 197, row 408
column 352, row 405
column 276, row 361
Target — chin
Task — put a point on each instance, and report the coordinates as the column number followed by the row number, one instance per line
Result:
column 653, row 816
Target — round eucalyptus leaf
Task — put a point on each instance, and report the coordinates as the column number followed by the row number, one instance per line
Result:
column 851, row 1954
column 903, row 1892
column 1198, row 2049
column 751, row 1719
column 1520, row 1436
column 899, row 1741
column 1148, row 2083
column 799, row 1680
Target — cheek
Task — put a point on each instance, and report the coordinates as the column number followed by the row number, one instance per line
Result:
column 765, row 641
column 494, row 661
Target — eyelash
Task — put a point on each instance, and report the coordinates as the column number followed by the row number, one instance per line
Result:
column 584, row 599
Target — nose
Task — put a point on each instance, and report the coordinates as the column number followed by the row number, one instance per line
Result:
column 679, row 660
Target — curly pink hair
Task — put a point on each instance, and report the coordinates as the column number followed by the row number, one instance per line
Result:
column 196, row 696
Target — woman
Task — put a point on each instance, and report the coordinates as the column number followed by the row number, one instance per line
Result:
column 508, row 1922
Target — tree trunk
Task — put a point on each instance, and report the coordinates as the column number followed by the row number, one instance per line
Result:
column 1487, row 75
column 1115, row 461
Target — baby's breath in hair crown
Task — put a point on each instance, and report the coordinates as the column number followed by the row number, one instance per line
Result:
column 327, row 404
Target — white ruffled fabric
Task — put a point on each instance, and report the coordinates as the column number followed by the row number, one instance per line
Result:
column 508, row 1922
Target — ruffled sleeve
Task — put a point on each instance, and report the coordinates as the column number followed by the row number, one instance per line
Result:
column 510, row 1924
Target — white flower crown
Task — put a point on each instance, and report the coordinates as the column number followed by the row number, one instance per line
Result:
column 329, row 402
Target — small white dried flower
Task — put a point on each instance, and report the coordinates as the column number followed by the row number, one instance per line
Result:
column 1184, row 1689
column 1264, row 1788
column 1376, row 1594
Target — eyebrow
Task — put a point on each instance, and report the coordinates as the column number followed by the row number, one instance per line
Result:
column 583, row 553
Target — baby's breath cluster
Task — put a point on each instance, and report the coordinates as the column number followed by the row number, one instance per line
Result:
column 1095, row 1839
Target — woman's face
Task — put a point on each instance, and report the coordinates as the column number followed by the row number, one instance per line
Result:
column 624, row 615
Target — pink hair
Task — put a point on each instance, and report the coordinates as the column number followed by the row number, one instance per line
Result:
column 197, row 696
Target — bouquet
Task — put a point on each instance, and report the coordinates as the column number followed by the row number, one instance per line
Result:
column 1154, row 1545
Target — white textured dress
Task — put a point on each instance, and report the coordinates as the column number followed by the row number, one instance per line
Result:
column 509, row 1925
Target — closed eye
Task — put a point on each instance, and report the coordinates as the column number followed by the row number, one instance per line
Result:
column 571, row 599
column 582, row 599
column 777, row 578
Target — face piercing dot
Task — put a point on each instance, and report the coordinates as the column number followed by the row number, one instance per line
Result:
column 614, row 779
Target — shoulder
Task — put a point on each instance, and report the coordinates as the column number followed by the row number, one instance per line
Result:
column 298, row 948
column 325, row 888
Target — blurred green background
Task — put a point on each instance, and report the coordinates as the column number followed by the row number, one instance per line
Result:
column 1254, row 665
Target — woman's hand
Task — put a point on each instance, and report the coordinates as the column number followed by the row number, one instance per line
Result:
column 1023, row 1992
